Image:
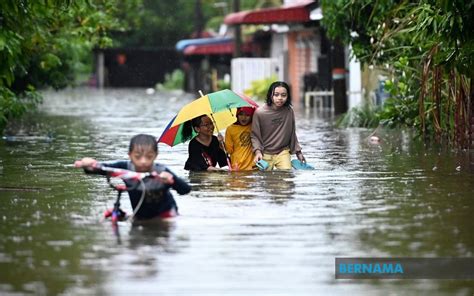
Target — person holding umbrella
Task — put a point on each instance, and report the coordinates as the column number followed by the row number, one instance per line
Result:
column 205, row 150
column 202, row 118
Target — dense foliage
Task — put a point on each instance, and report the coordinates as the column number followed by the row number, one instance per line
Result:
column 163, row 23
column 45, row 43
column 427, row 46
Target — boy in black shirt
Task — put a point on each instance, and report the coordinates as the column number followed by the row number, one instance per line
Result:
column 158, row 201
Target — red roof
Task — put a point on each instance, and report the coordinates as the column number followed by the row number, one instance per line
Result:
column 297, row 13
column 213, row 49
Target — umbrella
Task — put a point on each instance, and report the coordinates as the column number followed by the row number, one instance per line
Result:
column 220, row 106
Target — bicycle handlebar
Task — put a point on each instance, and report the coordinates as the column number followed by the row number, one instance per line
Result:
column 124, row 174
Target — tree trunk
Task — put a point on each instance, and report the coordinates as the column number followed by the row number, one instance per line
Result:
column 237, row 33
column 471, row 113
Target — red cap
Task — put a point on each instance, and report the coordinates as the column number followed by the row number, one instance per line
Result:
column 247, row 110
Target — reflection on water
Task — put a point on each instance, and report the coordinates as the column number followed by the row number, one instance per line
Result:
column 272, row 233
column 276, row 185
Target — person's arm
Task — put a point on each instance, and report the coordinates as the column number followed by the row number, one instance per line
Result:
column 86, row 162
column 220, row 138
column 90, row 165
column 220, row 155
column 119, row 164
column 178, row 184
column 294, row 143
column 300, row 156
column 256, row 137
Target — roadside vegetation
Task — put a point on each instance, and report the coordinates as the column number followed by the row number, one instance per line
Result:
column 49, row 44
column 427, row 49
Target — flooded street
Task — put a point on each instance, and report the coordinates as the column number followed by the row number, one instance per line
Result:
column 244, row 233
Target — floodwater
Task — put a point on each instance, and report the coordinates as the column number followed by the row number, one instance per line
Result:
column 272, row 233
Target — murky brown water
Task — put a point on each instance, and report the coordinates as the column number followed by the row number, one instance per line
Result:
column 238, row 233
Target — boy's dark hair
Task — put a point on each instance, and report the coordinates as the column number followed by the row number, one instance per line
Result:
column 188, row 127
column 271, row 90
column 143, row 140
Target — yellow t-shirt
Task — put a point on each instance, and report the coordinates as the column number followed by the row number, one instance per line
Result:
column 239, row 146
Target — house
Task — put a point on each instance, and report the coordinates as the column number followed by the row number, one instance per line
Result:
column 289, row 43
column 304, row 55
column 206, row 61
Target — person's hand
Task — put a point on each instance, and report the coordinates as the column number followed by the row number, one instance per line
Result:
column 166, row 178
column 220, row 138
column 300, row 156
column 258, row 156
column 211, row 168
column 85, row 162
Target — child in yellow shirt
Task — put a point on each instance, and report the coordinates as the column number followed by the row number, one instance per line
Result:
column 237, row 140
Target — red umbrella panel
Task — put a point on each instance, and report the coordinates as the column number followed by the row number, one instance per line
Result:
column 172, row 135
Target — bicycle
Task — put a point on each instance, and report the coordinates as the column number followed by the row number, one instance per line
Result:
column 116, row 214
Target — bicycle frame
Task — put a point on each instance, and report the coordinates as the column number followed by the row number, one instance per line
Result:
column 116, row 213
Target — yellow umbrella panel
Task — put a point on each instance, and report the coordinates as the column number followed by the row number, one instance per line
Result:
column 220, row 106
column 213, row 103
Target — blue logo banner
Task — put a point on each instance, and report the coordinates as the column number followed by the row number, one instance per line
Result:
column 404, row 268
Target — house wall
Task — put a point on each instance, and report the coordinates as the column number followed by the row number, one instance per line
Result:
column 304, row 48
column 246, row 70
column 279, row 52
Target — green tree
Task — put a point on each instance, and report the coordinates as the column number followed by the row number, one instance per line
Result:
column 44, row 43
column 163, row 23
column 159, row 24
column 427, row 47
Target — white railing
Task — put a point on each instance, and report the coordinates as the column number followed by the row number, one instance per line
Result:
column 321, row 100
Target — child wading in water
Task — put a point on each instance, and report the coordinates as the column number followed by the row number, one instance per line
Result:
column 204, row 149
column 237, row 140
column 158, row 203
column 273, row 129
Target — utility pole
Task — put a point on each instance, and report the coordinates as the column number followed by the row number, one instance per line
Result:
column 237, row 33
column 198, row 21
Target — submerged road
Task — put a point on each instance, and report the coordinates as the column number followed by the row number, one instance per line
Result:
column 252, row 233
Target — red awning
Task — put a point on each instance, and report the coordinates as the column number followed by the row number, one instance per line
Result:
column 213, row 49
column 297, row 13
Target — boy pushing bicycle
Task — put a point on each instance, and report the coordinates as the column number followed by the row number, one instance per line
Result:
column 150, row 197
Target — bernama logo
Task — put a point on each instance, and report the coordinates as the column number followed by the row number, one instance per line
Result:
column 370, row 268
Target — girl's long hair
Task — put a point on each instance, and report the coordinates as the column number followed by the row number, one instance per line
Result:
column 188, row 127
column 271, row 90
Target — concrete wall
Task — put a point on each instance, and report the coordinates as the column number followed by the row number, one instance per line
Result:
column 304, row 48
column 246, row 70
